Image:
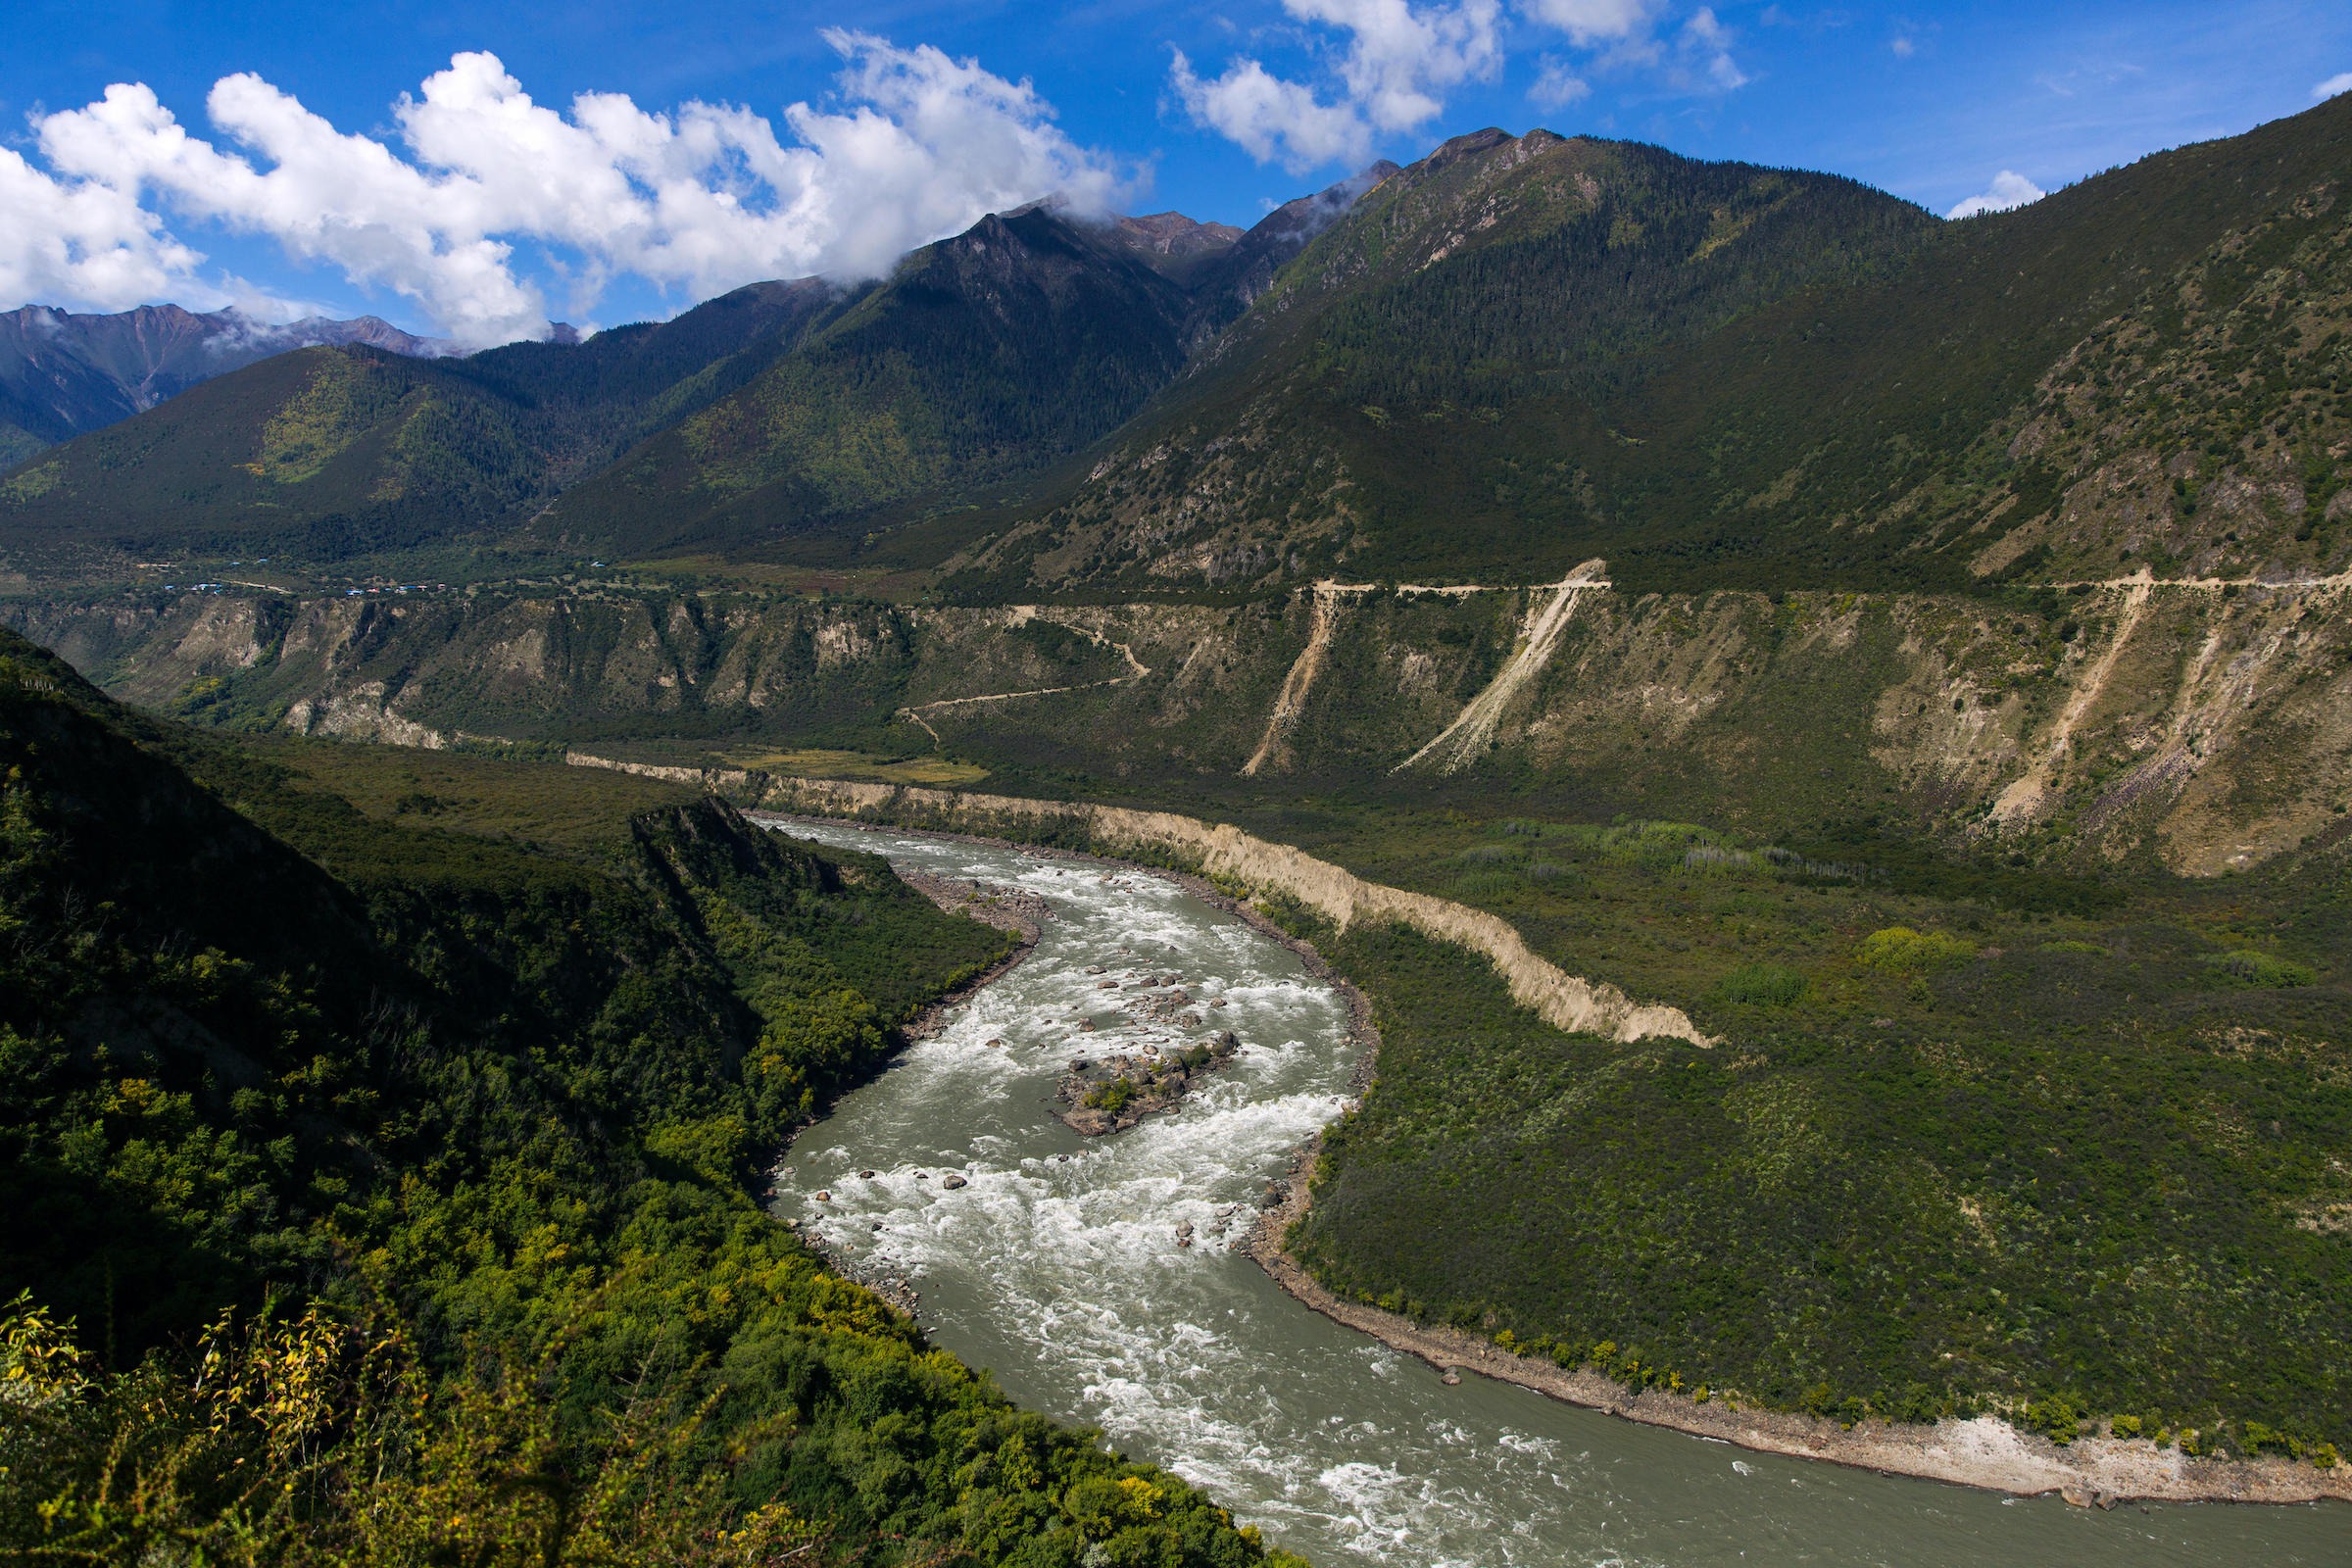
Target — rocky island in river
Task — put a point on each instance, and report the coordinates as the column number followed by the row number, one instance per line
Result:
column 1112, row 1093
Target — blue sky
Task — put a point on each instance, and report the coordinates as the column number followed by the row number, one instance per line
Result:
column 305, row 182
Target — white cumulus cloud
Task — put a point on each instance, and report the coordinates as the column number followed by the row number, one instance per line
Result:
column 1594, row 22
column 1557, row 85
column 1627, row 36
column 1392, row 62
column 80, row 241
column 1398, row 61
column 2009, row 189
column 704, row 198
column 1273, row 120
column 1704, row 59
column 2341, row 81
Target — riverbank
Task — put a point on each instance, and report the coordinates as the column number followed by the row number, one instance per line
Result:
column 1565, row 1000
column 1361, row 1030
column 1018, row 920
column 1985, row 1453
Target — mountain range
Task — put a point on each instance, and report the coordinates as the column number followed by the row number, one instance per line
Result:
column 1909, row 657
column 2057, row 497
column 1519, row 352
column 63, row 374
column 765, row 410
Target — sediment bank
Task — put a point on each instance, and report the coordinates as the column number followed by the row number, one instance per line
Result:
column 1220, row 850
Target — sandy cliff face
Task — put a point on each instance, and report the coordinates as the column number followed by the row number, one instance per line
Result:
column 1224, row 851
column 2208, row 723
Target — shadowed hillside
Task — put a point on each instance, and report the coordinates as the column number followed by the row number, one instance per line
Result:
column 379, row 1141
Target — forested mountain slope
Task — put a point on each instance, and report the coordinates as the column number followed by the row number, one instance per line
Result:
column 983, row 358
column 331, row 451
column 1497, row 274
column 772, row 411
column 63, row 373
column 1023, row 338
column 378, row 1132
column 1527, row 352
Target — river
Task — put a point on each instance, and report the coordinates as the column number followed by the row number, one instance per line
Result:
column 1058, row 1267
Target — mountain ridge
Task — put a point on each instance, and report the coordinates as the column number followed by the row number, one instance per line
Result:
column 1516, row 353
column 1685, row 460
column 64, row 373
column 1030, row 334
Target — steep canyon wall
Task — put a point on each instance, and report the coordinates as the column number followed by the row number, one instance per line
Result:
column 2207, row 724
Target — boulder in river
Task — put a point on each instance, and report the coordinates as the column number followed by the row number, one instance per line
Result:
column 952, row 1181
column 1098, row 1097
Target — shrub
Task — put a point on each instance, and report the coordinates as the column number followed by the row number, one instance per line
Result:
column 1761, row 985
column 2268, row 971
column 1112, row 1096
column 2261, row 1438
column 1899, row 949
column 2054, row 1418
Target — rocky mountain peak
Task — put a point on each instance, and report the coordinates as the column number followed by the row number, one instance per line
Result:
column 1174, row 234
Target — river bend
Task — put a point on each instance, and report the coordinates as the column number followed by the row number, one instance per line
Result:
column 1057, row 1266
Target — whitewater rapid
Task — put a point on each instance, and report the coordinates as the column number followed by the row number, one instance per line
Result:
column 1058, row 1265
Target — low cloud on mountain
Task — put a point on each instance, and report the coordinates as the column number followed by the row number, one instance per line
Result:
column 701, row 198
column 2008, row 189
column 1397, row 63
column 1394, row 62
